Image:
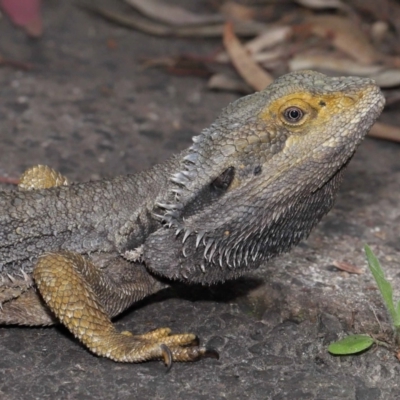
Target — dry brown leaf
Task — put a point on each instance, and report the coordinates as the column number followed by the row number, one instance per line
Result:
column 385, row 10
column 225, row 82
column 170, row 14
column 385, row 131
column 331, row 62
column 344, row 34
column 379, row 30
column 345, row 266
column 264, row 58
column 271, row 56
column 237, row 11
column 248, row 69
column 270, row 37
column 392, row 97
column 385, row 77
column 25, row 14
column 136, row 21
column 323, row 4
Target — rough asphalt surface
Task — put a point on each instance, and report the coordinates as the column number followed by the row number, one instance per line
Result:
column 90, row 111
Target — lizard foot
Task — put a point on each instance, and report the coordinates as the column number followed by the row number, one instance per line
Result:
column 41, row 177
column 72, row 287
column 178, row 347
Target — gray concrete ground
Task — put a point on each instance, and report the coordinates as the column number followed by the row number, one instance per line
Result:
column 91, row 111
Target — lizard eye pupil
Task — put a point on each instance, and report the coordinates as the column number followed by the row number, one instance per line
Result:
column 293, row 114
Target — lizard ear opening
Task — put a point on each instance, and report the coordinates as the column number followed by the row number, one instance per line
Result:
column 222, row 182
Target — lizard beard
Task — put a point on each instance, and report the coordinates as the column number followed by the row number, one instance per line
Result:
column 240, row 244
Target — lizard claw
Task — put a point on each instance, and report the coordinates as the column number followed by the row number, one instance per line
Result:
column 167, row 355
column 211, row 353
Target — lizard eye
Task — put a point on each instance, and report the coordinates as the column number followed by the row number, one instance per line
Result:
column 293, row 115
column 224, row 180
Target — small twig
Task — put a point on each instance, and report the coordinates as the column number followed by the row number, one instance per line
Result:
column 9, row 181
column 16, row 64
column 385, row 131
column 347, row 267
column 376, row 317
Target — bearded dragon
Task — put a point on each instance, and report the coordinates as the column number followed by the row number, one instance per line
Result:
column 250, row 187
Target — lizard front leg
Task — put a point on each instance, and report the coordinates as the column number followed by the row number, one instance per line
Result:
column 84, row 298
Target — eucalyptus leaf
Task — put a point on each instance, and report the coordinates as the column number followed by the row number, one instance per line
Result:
column 351, row 345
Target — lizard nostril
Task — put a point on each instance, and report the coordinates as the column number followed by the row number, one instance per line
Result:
column 257, row 170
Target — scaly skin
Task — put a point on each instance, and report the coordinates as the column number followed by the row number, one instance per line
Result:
column 250, row 187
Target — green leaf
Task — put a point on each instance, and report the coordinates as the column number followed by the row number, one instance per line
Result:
column 384, row 286
column 351, row 345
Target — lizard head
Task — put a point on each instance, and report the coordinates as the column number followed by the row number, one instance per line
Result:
column 258, row 180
